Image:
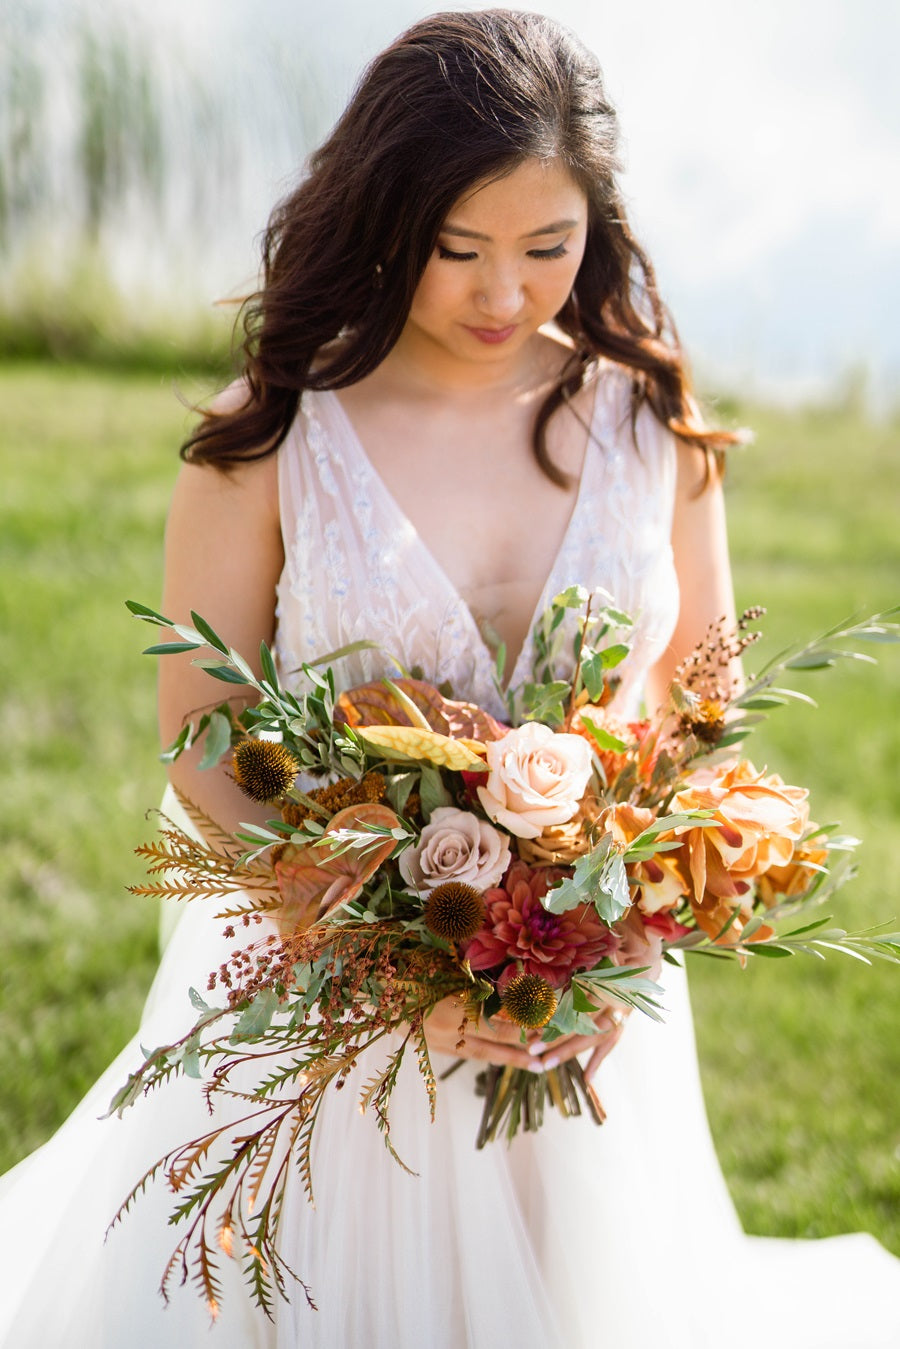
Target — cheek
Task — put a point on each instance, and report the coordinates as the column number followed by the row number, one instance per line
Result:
column 437, row 294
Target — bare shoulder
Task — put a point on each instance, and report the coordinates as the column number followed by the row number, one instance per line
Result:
column 223, row 536
column 249, row 487
column 697, row 472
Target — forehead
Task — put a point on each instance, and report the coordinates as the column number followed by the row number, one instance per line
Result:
column 535, row 193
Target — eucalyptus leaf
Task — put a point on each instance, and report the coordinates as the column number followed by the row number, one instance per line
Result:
column 573, row 597
column 614, row 655
column 733, row 738
column 267, row 665
column 198, row 1002
column 581, row 1001
column 566, row 1020
column 190, row 1060
column 544, row 702
column 399, row 786
column 603, row 739
column 171, row 648
column 178, row 745
column 218, row 740
column 220, row 671
column 592, row 668
column 255, row 1020
column 148, row 615
column 242, row 666
column 611, row 897
column 251, row 832
column 209, row 633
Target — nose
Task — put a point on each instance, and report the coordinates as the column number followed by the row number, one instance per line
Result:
column 500, row 294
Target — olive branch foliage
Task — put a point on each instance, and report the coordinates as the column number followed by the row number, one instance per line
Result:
column 301, row 1009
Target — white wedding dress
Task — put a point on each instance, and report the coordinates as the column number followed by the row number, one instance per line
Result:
column 616, row 1238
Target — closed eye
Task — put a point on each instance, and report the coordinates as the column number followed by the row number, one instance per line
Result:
column 541, row 254
column 547, row 254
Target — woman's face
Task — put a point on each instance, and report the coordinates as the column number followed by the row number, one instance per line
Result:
column 505, row 263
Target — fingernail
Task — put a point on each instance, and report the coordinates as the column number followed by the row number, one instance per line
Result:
column 536, row 1047
column 550, row 1062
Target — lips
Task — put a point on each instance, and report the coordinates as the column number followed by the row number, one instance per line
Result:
column 492, row 336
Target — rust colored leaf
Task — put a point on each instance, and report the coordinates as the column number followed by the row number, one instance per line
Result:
column 376, row 704
column 313, row 880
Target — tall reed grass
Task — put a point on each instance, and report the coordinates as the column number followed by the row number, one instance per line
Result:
column 135, row 169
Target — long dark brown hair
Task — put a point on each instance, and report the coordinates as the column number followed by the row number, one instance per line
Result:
column 457, row 100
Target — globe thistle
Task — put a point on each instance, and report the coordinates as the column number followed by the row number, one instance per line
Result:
column 454, row 911
column 264, row 769
column 529, row 1001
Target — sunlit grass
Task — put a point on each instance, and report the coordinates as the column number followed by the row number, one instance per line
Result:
column 801, row 1063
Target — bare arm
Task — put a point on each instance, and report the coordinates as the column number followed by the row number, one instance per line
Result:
column 223, row 559
column 700, row 545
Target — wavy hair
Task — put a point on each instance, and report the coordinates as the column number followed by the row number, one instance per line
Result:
column 457, row 100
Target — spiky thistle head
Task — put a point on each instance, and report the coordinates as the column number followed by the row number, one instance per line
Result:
column 454, row 911
column 264, row 769
column 529, row 1001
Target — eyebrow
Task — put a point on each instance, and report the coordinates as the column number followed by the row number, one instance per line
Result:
column 557, row 227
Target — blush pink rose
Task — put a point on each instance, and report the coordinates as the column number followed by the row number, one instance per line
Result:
column 536, row 779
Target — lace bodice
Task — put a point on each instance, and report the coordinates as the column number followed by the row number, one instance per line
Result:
column 356, row 568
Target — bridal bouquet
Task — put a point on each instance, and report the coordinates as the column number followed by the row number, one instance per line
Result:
column 539, row 871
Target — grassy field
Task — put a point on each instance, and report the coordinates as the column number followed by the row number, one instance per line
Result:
column 801, row 1065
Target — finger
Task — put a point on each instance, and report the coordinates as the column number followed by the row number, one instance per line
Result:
column 488, row 1051
column 499, row 1051
column 567, row 1046
column 601, row 1051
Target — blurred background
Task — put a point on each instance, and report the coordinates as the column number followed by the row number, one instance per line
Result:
column 143, row 146
column 141, row 150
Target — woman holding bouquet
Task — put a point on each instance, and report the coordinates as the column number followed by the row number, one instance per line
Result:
column 461, row 393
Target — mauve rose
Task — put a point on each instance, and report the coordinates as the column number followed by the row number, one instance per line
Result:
column 536, row 778
column 455, row 846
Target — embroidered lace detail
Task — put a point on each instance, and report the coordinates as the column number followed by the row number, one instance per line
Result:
column 356, row 569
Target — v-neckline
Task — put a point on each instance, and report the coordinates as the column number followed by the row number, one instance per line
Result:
column 515, row 675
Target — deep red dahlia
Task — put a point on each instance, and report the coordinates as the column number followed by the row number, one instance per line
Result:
column 518, row 928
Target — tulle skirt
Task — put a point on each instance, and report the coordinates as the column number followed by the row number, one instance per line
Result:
column 621, row 1236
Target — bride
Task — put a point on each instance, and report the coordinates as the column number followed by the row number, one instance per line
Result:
column 461, row 393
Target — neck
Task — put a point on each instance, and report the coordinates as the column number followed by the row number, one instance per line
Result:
column 425, row 365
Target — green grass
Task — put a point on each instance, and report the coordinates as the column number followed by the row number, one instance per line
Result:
column 801, row 1064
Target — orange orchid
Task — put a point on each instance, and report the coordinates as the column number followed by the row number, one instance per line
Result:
column 662, row 880
column 757, row 821
column 794, row 879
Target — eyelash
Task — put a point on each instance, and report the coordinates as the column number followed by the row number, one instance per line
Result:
column 539, row 254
